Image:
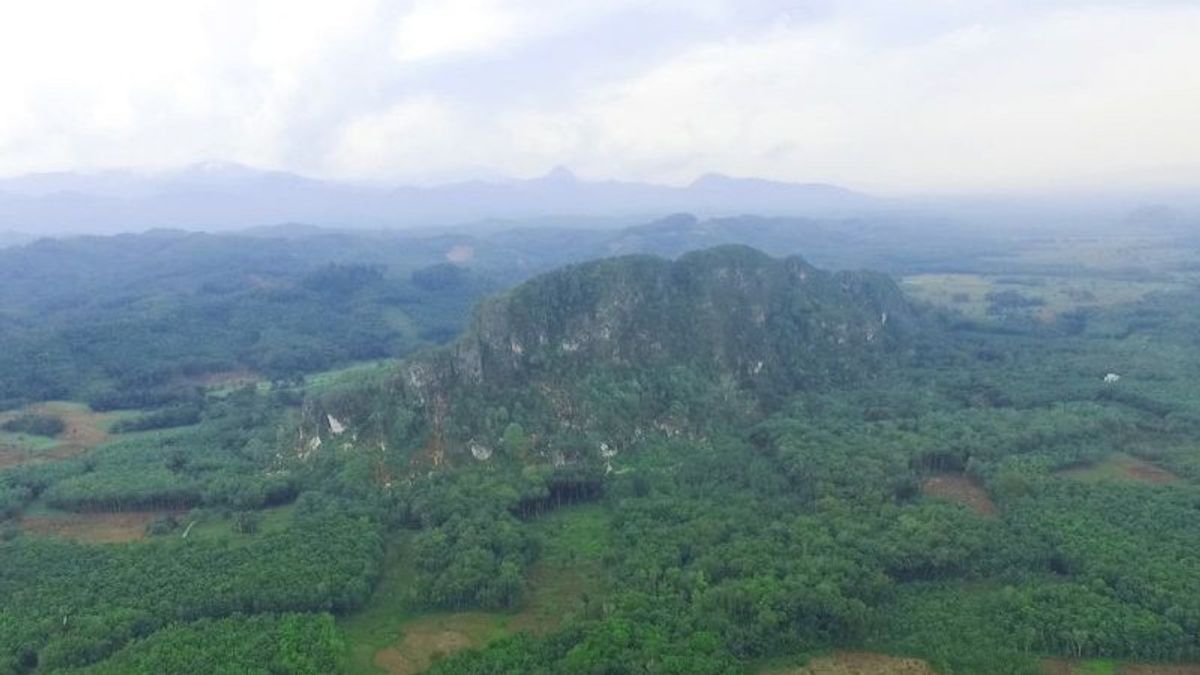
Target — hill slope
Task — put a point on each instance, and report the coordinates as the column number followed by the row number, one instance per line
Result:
column 590, row 358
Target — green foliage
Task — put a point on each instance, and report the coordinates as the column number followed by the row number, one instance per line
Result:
column 38, row 425
column 134, row 321
column 68, row 605
column 174, row 416
column 299, row 644
column 740, row 513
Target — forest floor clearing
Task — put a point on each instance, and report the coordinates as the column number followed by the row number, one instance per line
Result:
column 958, row 488
column 1106, row 667
column 1120, row 467
column 857, row 663
column 85, row 429
column 93, row 528
column 390, row 636
column 554, row 593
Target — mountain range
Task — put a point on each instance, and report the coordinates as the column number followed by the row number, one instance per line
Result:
column 223, row 196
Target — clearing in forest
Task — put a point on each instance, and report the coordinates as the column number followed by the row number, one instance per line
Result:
column 93, row 528
column 554, row 593
column 1120, row 467
column 974, row 294
column 85, row 429
column 857, row 663
column 959, row 488
column 430, row 638
column 1107, row 667
column 569, row 570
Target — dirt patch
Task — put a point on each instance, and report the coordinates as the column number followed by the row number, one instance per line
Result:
column 958, row 488
column 859, row 663
column 93, row 528
column 84, row 430
column 1057, row 667
column 1145, row 472
column 10, row 456
column 460, row 253
column 1121, row 467
column 429, row 639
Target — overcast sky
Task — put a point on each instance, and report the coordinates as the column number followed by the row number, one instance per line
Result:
column 896, row 97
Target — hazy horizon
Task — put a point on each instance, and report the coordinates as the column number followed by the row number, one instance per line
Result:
column 933, row 98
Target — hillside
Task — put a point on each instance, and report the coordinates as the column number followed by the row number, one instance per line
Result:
column 582, row 355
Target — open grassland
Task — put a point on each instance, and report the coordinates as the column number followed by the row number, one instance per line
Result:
column 84, row 430
column 349, row 375
column 1131, row 254
column 968, row 293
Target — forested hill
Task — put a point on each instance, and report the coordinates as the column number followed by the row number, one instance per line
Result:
column 582, row 357
column 731, row 310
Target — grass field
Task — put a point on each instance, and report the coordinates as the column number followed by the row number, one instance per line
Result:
column 391, row 636
column 85, row 429
column 968, row 293
column 318, row 382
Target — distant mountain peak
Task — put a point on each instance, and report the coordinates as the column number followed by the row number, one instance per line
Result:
column 559, row 174
column 226, row 195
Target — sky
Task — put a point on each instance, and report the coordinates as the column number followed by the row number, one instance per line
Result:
column 913, row 97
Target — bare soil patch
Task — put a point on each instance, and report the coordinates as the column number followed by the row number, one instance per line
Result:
column 859, row 663
column 958, row 488
column 1121, row 467
column 11, row 456
column 85, row 429
column 93, row 528
column 1057, row 667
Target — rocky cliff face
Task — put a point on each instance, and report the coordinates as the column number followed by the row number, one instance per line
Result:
column 730, row 309
column 536, row 355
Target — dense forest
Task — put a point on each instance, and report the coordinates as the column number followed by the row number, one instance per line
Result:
column 767, row 460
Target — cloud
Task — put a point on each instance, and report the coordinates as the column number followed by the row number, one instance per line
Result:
column 933, row 95
column 441, row 27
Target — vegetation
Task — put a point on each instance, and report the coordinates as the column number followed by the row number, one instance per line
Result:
column 38, row 425
column 631, row 466
column 304, row 644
